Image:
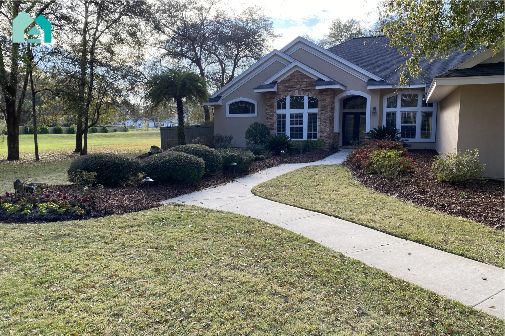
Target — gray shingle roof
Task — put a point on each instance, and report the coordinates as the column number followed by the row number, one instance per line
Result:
column 484, row 69
column 214, row 99
column 321, row 82
column 375, row 55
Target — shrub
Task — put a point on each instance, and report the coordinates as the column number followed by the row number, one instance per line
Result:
column 57, row 130
column 27, row 130
column 242, row 158
column 211, row 157
column 111, row 169
column 360, row 157
column 124, row 129
column 306, row 146
column 174, row 167
column 222, row 141
column 389, row 162
column 384, row 133
column 202, row 140
column 278, row 143
column 459, row 167
column 257, row 136
column 71, row 130
column 43, row 130
column 104, row 129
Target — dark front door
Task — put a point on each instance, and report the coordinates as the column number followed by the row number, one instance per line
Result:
column 353, row 128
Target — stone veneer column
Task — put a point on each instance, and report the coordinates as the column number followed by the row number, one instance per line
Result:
column 299, row 84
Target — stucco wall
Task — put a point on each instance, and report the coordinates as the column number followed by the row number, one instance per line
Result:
column 448, row 123
column 481, row 125
column 236, row 126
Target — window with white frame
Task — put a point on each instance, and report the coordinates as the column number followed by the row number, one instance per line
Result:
column 410, row 114
column 297, row 117
column 241, row 107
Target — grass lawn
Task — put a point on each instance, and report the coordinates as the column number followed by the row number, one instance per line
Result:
column 188, row 271
column 333, row 191
column 114, row 142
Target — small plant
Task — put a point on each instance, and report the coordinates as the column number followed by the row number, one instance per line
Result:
column 389, row 162
column 71, row 130
column 278, row 143
column 43, row 130
column 257, row 136
column 111, row 170
column 211, row 157
column 222, row 141
column 236, row 160
column 458, row 168
column 57, row 130
column 384, row 133
column 174, row 167
column 83, row 178
column 360, row 157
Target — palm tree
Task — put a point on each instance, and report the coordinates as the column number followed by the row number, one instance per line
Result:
column 179, row 86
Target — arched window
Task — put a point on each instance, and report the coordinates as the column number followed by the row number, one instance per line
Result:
column 410, row 114
column 241, row 107
column 297, row 117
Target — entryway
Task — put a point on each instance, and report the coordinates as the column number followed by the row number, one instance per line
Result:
column 353, row 120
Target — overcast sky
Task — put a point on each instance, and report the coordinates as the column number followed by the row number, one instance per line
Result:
column 294, row 18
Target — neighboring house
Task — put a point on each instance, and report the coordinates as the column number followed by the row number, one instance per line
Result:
column 168, row 122
column 141, row 123
column 339, row 94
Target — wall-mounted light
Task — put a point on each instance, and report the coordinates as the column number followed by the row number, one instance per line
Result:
column 374, row 110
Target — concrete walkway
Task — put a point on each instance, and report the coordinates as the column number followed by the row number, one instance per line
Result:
column 470, row 282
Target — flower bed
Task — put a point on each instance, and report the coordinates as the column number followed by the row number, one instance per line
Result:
column 479, row 200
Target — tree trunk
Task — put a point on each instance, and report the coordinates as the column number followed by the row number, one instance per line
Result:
column 82, row 82
column 12, row 130
column 180, row 119
column 34, row 109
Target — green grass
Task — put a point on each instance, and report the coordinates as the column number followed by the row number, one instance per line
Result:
column 113, row 142
column 332, row 190
column 189, row 271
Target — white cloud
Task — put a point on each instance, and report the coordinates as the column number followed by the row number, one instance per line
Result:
column 308, row 17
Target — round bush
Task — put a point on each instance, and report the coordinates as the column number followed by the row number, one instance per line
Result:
column 279, row 143
column 111, row 170
column 174, row 167
column 211, row 157
column 57, row 130
column 458, row 167
column 71, row 130
column 242, row 158
column 257, row 135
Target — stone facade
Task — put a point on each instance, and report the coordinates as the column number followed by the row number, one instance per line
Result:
column 299, row 84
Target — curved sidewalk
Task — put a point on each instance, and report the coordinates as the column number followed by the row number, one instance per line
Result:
column 470, row 282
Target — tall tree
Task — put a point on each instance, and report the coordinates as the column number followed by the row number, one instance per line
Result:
column 341, row 31
column 178, row 86
column 434, row 29
column 11, row 54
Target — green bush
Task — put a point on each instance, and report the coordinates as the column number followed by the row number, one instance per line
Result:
column 306, row 146
column 111, row 170
column 174, row 167
column 57, row 130
column 93, row 130
column 389, row 162
column 104, row 129
column 43, row 130
column 384, row 133
column 257, row 136
column 222, row 141
column 279, row 143
column 211, row 157
column 71, row 130
column 27, row 130
column 242, row 158
column 458, row 168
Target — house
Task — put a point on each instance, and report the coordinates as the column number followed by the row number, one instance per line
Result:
column 341, row 93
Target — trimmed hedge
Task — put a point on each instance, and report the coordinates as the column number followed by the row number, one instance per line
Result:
column 111, row 170
column 213, row 160
column 242, row 158
column 174, row 167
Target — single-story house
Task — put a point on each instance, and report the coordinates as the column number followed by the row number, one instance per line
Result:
column 341, row 93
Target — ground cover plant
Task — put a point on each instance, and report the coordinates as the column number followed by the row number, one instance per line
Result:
column 180, row 270
column 334, row 191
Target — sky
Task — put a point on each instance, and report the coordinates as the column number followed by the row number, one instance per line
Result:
column 309, row 17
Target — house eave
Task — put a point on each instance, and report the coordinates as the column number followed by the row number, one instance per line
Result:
column 378, row 87
column 333, row 86
column 442, row 87
column 273, row 89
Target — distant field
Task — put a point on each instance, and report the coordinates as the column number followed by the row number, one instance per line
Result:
column 56, row 150
column 133, row 141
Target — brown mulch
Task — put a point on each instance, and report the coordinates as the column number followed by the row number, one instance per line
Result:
column 480, row 200
column 108, row 201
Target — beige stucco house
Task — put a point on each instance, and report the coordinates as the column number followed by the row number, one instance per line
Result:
column 341, row 93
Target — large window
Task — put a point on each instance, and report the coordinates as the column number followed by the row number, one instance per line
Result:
column 297, row 117
column 241, row 107
column 411, row 115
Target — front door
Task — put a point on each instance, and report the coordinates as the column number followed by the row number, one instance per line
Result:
column 353, row 128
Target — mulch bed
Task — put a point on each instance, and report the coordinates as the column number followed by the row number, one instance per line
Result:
column 481, row 200
column 109, row 201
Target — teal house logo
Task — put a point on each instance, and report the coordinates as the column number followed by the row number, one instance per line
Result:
column 23, row 25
